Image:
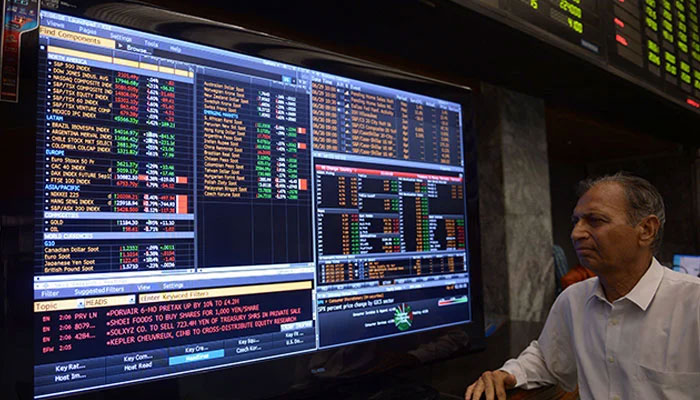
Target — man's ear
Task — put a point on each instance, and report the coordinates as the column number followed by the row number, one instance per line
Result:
column 647, row 229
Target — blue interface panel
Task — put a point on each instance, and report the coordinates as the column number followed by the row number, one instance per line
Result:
column 199, row 208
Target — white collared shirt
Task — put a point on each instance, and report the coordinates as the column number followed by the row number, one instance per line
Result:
column 645, row 345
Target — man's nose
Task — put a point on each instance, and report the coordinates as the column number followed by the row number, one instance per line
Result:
column 578, row 232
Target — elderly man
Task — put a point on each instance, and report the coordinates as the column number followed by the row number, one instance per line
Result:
column 632, row 332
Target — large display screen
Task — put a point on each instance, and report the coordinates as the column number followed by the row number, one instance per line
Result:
column 199, row 208
column 659, row 41
column 656, row 42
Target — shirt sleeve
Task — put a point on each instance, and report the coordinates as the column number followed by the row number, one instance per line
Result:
column 530, row 369
column 550, row 359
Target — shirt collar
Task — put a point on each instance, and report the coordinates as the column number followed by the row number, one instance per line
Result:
column 643, row 292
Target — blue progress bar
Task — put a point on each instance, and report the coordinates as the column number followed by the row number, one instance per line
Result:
column 188, row 358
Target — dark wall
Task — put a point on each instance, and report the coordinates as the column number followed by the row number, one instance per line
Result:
column 562, row 180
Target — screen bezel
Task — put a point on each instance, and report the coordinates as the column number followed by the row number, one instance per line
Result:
column 228, row 37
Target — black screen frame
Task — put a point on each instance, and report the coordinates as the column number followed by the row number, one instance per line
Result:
column 17, row 321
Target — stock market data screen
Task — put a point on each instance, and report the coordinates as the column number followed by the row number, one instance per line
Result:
column 198, row 208
column 652, row 42
column 659, row 40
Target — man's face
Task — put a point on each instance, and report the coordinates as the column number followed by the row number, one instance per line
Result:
column 602, row 235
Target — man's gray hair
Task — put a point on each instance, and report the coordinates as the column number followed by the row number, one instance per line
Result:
column 642, row 200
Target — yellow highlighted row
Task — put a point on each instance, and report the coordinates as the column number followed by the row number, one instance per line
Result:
column 223, row 292
column 81, row 54
column 77, row 304
column 119, row 61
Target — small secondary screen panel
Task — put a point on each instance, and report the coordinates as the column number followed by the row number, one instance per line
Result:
column 198, row 208
column 687, row 264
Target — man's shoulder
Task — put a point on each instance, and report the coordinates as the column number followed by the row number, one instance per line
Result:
column 681, row 293
column 675, row 276
column 579, row 291
column 680, row 282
